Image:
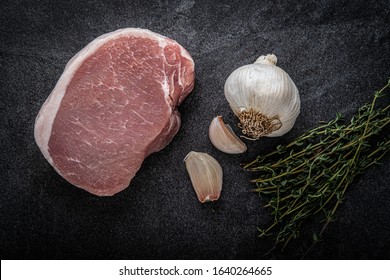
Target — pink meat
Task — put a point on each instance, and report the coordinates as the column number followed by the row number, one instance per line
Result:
column 115, row 104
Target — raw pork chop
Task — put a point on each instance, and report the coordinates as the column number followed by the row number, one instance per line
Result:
column 115, row 104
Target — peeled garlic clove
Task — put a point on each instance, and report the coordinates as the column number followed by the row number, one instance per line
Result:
column 205, row 174
column 223, row 137
column 263, row 97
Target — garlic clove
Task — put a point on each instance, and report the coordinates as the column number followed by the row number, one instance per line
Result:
column 224, row 139
column 206, row 175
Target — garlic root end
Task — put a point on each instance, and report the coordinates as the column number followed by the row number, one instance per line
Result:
column 255, row 124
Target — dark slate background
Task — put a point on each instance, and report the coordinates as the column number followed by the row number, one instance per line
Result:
column 337, row 52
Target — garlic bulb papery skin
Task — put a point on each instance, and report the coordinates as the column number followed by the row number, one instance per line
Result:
column 206, row 175
column 224, row 139
column 263, row 97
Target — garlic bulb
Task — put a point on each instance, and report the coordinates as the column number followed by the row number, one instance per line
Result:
column 223, row 138
column 205, row 174
column 263, row 97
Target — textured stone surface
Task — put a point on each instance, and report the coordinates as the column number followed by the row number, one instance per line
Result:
column 336, row 52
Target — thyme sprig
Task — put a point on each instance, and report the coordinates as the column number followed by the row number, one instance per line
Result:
column 309, row 176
